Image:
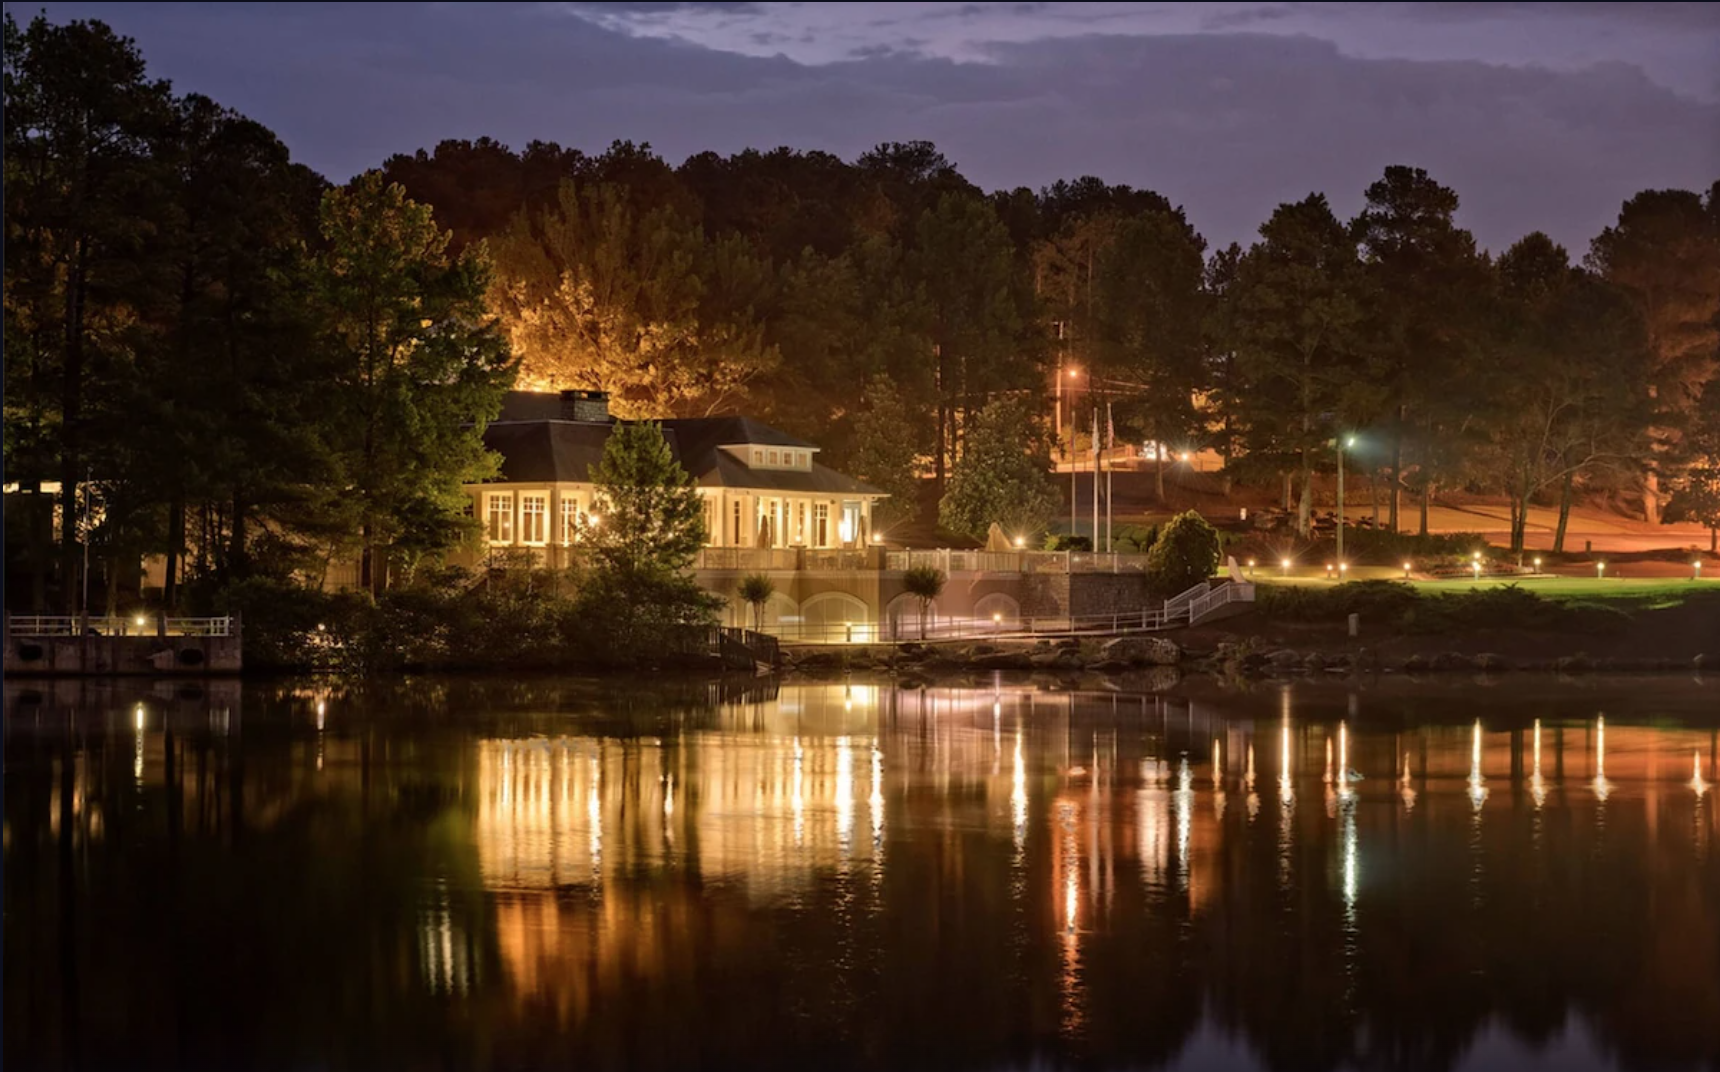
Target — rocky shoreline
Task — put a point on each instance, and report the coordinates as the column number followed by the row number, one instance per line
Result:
column 1229, row 659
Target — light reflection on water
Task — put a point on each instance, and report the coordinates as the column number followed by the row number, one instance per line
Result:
column 536, row 875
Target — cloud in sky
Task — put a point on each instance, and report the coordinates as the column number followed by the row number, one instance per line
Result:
column 1227, row 124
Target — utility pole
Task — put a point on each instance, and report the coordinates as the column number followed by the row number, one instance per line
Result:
column 1057, row 408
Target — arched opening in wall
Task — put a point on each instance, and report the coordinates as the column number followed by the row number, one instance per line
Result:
column 902, row 619
column 997, row 611
column 781, row 614
column 834, row 617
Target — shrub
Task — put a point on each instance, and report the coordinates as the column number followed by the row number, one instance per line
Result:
column 1185, row 554
column 1059, row 541
column 1135, row 539
column 1375, row 601
column 288, row 626
column 621, row 618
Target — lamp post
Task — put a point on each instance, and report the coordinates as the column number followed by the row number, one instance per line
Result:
column 1285, row 564
column 1696, row 565
column 1600, row 569
column 1342, row 442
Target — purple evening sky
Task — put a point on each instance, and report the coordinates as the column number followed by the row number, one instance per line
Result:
column 1542, row 116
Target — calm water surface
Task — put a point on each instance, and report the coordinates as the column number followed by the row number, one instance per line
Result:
column 575, row 874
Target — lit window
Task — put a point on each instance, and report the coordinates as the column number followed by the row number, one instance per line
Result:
column 821, row 525
column 773, row 458
column 758, row 457
column 800, row 523
column 740, row 532
column 569, row 519
column 499, row 516
column 534, row 519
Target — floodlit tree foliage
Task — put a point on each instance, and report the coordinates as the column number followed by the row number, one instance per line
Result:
column 598, row 294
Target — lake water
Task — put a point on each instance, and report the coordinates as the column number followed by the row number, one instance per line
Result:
column 449, row 874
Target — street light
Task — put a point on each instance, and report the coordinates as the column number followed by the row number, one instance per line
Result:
column 1075, row 461
column 1406, row 571
column 1285, row 563
column 1696, row 564
column 1475, row 561
column 1537, row 564
column 1343, row 569
column 1342, row 443
column 1251, row 567
column 1020, row 542
column 1600, row 569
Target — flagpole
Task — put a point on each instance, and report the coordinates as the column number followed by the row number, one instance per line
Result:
column 1096, row 460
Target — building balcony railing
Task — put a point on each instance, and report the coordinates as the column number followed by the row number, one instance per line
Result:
column 765, row 559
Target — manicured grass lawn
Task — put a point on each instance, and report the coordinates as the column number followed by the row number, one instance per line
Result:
column 1657, row 590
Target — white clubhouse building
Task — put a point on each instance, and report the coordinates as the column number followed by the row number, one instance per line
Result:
column 762, row 488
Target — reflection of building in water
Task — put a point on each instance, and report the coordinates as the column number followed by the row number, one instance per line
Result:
column 1103, row 809
column 762, row 810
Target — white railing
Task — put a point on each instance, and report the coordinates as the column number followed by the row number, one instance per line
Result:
column 832, row 561
column 747, row 558
column 61, row 625
column 1016, row 561
column 1179, row 603
column 1202, row 606
column 906, row 629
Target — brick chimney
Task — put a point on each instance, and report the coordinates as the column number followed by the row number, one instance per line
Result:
column 590, row 407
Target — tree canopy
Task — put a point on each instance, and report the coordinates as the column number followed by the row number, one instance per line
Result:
column 226, row 362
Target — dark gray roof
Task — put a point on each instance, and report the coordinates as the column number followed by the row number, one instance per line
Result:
column 539, row 447
column 546, row 452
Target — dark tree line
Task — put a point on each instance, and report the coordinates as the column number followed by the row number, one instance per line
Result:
column 790, row 282
column 216, row 358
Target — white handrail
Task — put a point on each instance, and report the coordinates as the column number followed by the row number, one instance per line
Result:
column 71, row 625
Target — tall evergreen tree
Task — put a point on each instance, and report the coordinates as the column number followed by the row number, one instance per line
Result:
column 83, row 187
column 1664, row 253
column 1151, row 327
column 1297, row 322
column 1423, row 284
column 419, row 370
